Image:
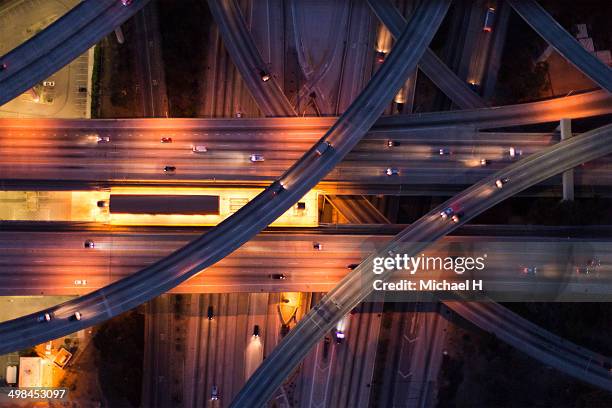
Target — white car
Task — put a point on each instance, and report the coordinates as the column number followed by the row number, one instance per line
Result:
column 199, row 149
column 80, row 282
column 514, row 152
column 499, row 183
column 49, row 83
column 257, row 158
column 45, row 317
column 392, row 172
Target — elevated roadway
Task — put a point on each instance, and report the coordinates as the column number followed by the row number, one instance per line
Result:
column 432, row 66
column 358, row 284
column 55, row 262
column 64, row 40
column 240, row 45
column 45, row 150
column 562, row 41
column 169, row 272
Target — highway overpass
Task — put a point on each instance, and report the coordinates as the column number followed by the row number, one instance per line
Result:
column 54, row 261
column 61, row 42
column 169, row 272
column 416, row 238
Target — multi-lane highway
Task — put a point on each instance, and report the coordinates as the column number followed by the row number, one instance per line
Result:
column 187, row 354
column 68, row 150
column 562, row 41
column 151, row 75
column 61, row 42
column 254, row 71
column 55, row 262
column 169, row 272
column 429, row 228
column 68, row 157
column 444, row 78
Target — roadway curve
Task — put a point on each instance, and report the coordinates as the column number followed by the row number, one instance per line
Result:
column 563, row 42
column 551, row 110
column 536, row 342
column 241, row 47
column 61, row 42
column 213, row 246
column 356, row 286
column 444, row 78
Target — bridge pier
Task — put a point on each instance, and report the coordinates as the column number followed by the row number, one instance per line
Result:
column 568, row 176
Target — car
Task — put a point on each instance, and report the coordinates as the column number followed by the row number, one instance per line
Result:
column 126, row 2
column 3, row 66
column 45, row 317
column 474, row 85
column 277, row 187
column 256, row 330
column 593, row 262
column 456, row 217
column 301, row 206
column 352, row 266
column 392, row 143
column 76, row 316
column 447, row 212
column 214, row 393
column 265, row 76
column 484, row 162
column 318, row 246
column 583, row 270
column 499, row 183
column 199, row 149
column 82, row 89
column 103, row 139
column 340, row 329
column 444, row 151
column 514, row 152
column 80, row 282
column 257, row 158
column 210, row 313
column 169, row 169
column 50, row 84
column 166, row 140
column 489, row 18
column 590, row 267
column 238, row 114
column 102, row 204
column 322, row 148
column 529, row 270
column 89, row 244
column 380, row 57
column 278, row 276
column 392, row 172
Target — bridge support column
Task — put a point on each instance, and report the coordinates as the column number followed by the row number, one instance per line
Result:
column 568, row 176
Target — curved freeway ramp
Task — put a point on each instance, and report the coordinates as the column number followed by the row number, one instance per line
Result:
column 241, row 47
column 563, row 42
column 536, row 342
column 551, row 110
column 213, row 246
column 411, row 241
column 61, row 42
column 444, row 78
